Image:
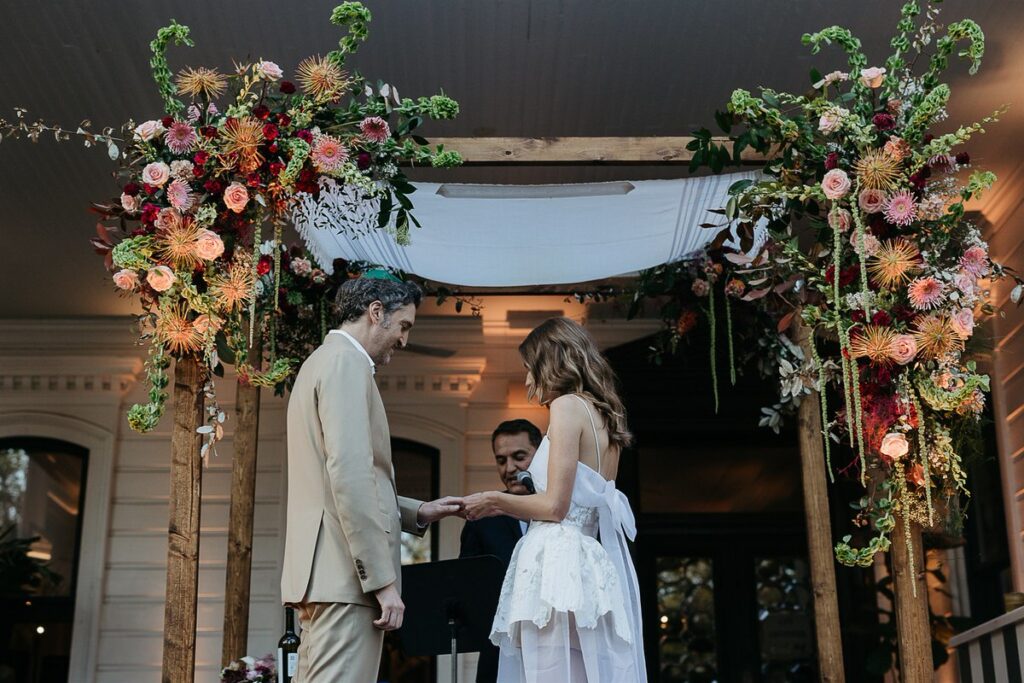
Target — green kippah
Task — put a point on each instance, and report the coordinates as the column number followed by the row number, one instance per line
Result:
column 380, row 274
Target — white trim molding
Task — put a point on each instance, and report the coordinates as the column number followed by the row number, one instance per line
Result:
column 96, row 513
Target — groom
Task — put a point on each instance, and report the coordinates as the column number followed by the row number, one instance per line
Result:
column 345, row 520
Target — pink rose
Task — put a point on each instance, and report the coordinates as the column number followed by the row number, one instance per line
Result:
column 236, row 197
column 871, row 243
column 894, row 445
column 871, row 200
column 126, row 279
column 166, row 218
column 966, row 283
column 903, row 348
column 269, row 70
column 700, row 287
column 835, row 184
column 872, row 77
column 160, row 278
column 832, row 120
column 209, row 245
column 301, row 266
column 963, row 322
column 149, row 130
column 839, row 220
column 129, row 203
column 156, row 174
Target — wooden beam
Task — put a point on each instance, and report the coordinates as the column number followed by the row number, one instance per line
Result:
column 819, row 528
column 183, row 530
column 580, row 151
column 913, row 627
column 240, row 518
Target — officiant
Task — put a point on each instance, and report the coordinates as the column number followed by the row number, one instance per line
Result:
column 513, row 443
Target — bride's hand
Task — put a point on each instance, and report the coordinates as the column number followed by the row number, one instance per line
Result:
column 480, row 505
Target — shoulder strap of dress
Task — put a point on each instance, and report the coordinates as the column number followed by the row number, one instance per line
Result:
column 597, row 439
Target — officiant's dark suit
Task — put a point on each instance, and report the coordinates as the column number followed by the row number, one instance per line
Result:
column 513, row 443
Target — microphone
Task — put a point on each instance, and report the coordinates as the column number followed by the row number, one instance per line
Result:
column 526, row 480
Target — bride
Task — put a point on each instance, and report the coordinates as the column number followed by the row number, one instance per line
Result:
column 569, row 610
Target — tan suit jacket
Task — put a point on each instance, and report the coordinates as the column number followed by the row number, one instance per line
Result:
column 343, row 533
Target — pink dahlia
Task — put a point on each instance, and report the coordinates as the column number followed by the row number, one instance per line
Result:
column 328, row 153
column 975, row 261
column 901, row 209
column 181, row 137
column 375, row 129
column 179, row 194
column 925, row 293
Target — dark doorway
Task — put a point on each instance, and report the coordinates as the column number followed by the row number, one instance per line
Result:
column 417, row 475
column 42, row 491
column 721, row 552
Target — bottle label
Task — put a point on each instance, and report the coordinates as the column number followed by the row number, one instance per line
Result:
column 293, row 663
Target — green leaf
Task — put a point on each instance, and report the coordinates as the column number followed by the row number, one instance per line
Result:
column 403, row 201
column 815, row 76
column 724, row 121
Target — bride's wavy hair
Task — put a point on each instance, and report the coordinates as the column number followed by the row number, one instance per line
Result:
column 563, row 359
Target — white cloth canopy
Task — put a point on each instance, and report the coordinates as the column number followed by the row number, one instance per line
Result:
column 519, row 235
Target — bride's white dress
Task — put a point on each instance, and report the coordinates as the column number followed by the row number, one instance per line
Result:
column 569, row 610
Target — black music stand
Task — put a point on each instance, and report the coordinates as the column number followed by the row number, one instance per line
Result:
column 449, row 606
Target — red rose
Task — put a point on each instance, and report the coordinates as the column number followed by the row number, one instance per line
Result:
column 306, row 175
column 275, row 168
column 201, row 158
column 305, row 136
column 272, row 148
column 213, row 186
column 270, row 131
column 198, row 171
column 363, row 160
column 963, row 158
column 132, row 189
column 884, row 121
column 208, row 132
column 253, row 180
column 831, row 161
column 881, row 318
column 150, row 189
column 287, row 87
column 284, row 119
column 261, row 112
column 167, row 121
column 149, row 212
column 857, row 315
column 263, row 267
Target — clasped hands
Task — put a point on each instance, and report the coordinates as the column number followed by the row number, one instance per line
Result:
column 471, row 507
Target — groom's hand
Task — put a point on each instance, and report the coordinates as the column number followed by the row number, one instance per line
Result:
column 392, row 609
column 438, row 509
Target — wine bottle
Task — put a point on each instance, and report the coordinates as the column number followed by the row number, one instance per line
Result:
column 288, row 649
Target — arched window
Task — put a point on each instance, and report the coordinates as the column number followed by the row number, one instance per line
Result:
column 42, row 491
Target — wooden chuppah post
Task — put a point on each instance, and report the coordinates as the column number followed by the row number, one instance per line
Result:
column 819, row 527
column 913, row 627
column 240, row 516
column 183, row 530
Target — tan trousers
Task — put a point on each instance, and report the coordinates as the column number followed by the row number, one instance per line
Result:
column 339, row 643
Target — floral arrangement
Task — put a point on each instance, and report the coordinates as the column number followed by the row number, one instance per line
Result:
column 250, row 670
column 856, row 230
column 203, row 181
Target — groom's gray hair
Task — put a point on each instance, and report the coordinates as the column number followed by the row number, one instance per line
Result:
column 355, row 296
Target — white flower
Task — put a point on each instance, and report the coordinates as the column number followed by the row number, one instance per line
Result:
column 268, row 70
column 833, row 77
column 149, row 130
column 267, row 248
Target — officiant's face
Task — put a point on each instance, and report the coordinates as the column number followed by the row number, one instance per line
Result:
column 389, row 332
column 513, row 453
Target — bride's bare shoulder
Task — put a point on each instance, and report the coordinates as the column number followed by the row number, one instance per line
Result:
column 568, row 408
